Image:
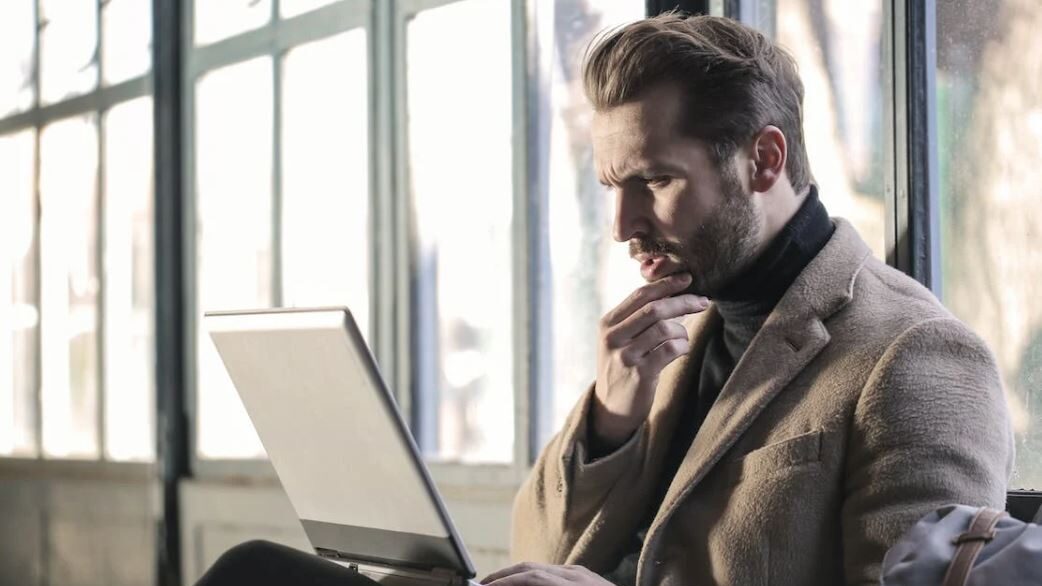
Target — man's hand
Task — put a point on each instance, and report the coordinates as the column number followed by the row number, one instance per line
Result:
column 637, row 341
column 532, row 574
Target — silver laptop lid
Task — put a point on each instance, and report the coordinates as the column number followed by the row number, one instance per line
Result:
column 335, row 437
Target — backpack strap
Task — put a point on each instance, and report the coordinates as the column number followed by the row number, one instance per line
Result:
column 970, row 543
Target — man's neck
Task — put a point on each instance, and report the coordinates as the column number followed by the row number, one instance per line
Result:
column 793, row 246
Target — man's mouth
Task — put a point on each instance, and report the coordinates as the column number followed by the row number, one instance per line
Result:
column 656, row 266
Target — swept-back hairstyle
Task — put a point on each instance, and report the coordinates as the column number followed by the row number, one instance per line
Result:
column 734, row 81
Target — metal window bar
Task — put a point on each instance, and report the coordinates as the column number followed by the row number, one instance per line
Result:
column 914, row 232
column 172, row 441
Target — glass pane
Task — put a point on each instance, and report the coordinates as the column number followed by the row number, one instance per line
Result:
column 129, row 276
column 234, row 234
column 325, row 168
column 19, row 318
column 591, row 273
column 460, row 170
column 216, row 20
column 288, row 8
column 17, row 25
column 68, row 48
column 989, row 119
column 127, row 43
column 838, row 46
column 69, row 287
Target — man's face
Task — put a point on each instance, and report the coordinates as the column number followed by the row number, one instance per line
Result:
column 678, row 210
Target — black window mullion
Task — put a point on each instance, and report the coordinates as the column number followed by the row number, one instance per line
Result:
column 172, row 439
column 916, row 248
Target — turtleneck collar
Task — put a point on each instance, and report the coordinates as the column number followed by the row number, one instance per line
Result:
column 758, row 289
column 745, row 303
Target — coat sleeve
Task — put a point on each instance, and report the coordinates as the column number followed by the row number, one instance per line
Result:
column 931, row 428
column 564, row 492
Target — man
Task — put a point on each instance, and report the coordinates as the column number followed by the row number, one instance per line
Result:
column 792, row 429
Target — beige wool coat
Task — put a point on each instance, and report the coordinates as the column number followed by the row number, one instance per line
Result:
column 860, row 406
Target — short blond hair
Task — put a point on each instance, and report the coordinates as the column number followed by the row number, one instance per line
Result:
column 734, row 80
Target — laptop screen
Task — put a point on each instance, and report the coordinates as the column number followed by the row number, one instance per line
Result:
column 334, row 436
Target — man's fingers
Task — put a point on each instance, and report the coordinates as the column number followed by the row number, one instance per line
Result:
column 527, row 573
column 661, row 356
column 651, row 338
column 655, row 311
column 660, row 289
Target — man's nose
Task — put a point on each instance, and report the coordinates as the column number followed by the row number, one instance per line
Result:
column 629, row 221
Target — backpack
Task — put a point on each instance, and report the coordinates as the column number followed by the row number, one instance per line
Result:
column 958, row 545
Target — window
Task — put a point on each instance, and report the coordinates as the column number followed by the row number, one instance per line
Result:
column 69, row 286
column 76, row 277
column 461, row 184
column 215, row 21
column 989, row 124
column 590, row 272
column 19, row 304
column 839, row 51
column 281, row 181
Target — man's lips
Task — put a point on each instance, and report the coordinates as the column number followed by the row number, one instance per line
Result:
column 654, row 267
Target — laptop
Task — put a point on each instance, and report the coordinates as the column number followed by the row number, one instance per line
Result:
column 339, row 445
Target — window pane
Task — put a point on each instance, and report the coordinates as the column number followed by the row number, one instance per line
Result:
column 460, row 170
column 325, row 167
column 127, row 42
column 591, row 273
column 19, row 318
column 69, row 287
column 838, row 47
column 234, row 234
column 129, row 292
column 68, row 45
column 17, row 24
column 216, row 20
column 289, row 8
column 989, row 118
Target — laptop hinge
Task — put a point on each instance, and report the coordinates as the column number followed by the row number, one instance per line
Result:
column 444, row 576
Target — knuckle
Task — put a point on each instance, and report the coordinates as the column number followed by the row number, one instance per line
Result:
column 627, row 358
column 652, row 310
column 663, row 329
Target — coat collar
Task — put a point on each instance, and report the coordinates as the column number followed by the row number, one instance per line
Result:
column 792, row 336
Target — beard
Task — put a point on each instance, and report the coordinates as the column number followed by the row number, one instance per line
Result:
column 722, row 246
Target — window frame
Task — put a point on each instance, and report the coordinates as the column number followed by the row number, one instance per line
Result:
column 450, row 472
column 273, row 40
column 98, row 102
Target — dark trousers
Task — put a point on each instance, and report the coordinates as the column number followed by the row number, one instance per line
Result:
column 262, row 563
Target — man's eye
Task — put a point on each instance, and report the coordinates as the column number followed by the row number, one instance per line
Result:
column 660, row 181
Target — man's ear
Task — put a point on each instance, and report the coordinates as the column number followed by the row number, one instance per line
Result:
column 769, row 152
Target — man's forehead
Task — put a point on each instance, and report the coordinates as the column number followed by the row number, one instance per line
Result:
column 641, row 128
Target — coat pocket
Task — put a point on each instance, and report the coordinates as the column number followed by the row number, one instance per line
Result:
column 777, row 456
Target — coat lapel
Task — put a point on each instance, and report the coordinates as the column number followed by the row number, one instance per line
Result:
column 791, row 337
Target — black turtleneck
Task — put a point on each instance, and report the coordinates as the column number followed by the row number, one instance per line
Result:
column 743, row 306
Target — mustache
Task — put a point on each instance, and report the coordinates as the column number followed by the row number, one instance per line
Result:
column 654, row 247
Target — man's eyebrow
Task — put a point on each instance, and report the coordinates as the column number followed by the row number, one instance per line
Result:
column 650, row 171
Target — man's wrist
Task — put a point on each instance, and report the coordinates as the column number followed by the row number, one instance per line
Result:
column 607, row 432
